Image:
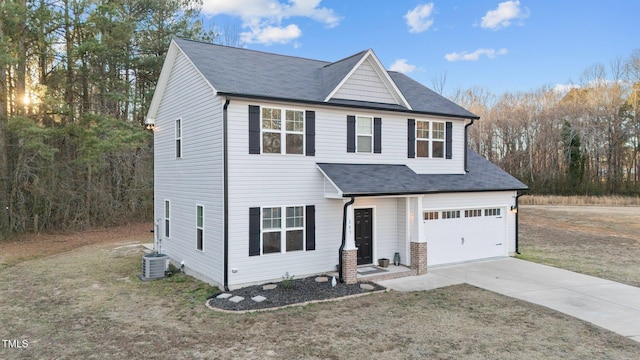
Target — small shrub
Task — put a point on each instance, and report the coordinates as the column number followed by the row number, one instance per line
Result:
column 287, row 281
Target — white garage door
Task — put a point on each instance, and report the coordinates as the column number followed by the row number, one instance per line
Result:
column 465, row 234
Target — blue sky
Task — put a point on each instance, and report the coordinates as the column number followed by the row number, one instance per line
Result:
column 498, row 45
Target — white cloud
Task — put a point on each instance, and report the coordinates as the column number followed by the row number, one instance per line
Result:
column 502, row 16
column 419, row 19
column 474, row 56
column 402, row 66
column 565, row 88
column 263, row 18
column 272, row 34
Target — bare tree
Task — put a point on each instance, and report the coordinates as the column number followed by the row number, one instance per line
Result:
column 438, row 82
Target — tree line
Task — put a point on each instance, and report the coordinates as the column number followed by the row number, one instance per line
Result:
column 76, row 79
column 583, row 140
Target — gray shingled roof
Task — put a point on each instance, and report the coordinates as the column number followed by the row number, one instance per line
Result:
column 383, row 179
column 242, row 72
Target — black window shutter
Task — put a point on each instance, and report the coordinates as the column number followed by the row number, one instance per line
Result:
column 254, row 129
column 310, row 133
column 351, row 133
column 377, row 135
column 310, row 227
column 254, row 231
column 449, row 140
column 411, row 138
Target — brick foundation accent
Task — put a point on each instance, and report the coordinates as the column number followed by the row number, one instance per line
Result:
column 350, row 266
column 419, row 258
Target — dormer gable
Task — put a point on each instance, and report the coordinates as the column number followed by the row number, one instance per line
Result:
column 368, row 81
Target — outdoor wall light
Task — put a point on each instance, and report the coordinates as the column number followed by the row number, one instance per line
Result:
column 514, row 209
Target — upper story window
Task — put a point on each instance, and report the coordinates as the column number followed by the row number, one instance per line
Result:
column 281, row 131
column 274, row 134
column 364, row 126
column 179, row 138
column 364, row 134
column 430, row 137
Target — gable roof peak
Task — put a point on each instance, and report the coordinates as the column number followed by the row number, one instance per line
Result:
column 232, row 71
column 387, row 89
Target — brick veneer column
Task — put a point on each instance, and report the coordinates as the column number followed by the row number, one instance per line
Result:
column 419, row 258
column 350, row 266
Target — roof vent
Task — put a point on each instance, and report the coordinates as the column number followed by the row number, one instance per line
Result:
column 153, row 266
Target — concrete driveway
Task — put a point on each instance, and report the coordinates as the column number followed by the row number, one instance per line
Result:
column 605, row 303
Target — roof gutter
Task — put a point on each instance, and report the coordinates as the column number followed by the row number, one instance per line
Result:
column 466, row 144
column 406, row 193
column 225, row 171
column 344, row 236
column 330, row 104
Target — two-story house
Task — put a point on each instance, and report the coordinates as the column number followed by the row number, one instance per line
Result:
column 266, row 164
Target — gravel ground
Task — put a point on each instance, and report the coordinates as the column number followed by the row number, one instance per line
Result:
column 303, row 290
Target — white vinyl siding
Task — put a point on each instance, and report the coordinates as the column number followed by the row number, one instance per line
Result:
column 366, row 84
column 330, row 143
column 272, row 181
column 267, row 180
column 197, row 178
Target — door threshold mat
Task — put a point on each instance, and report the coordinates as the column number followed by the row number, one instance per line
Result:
column 368, row 270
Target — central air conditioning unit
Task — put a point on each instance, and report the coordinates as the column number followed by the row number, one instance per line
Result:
column 153, row 266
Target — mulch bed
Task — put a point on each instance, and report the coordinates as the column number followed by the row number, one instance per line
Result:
column 303, row 290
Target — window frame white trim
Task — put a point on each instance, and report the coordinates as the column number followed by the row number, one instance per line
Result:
column 283, row 130
column 358, row 134
column 178, row 127
column 167, row 220
column 431, row 139
column 200, row 227
column 283, row 229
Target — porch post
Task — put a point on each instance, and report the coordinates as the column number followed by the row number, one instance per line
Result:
column 350, row 241
column 418, row 240
column 350, row 251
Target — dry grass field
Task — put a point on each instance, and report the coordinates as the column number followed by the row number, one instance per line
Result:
column 594, row 240
column 70, row 299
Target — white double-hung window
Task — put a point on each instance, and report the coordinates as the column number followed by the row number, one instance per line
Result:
column 279, row 236
column 364, row 134
column 430, row 137
column 274, row 134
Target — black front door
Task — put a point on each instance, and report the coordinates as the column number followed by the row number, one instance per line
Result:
column 364, row 235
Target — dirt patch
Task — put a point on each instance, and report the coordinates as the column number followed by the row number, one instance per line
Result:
column 34, row 246
column 89, row 303
column 593, row 240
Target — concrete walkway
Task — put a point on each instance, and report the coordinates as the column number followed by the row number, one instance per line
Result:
column 605, row 303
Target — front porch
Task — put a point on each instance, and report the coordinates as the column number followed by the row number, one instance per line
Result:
column 377, row 273
column 351, row 272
